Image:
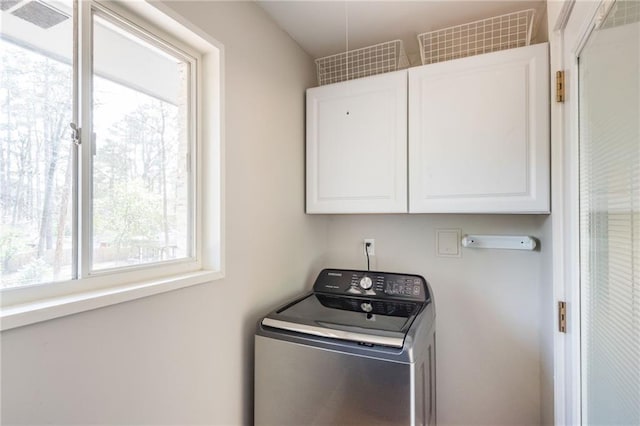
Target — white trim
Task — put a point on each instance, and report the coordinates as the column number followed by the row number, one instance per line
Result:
column 162, row 16
column 144, row 16
column 75, row 161
column 85, row 180
column 122, row 20
column 212, row 130
column 212, row 119
column 575, row 23
column 564, row 14
column 56, row 307
column 558, row 243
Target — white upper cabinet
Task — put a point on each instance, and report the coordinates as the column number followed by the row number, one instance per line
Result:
column 479, row 134
column 357, row 146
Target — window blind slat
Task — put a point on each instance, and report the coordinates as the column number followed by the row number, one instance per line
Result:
column 609, row 221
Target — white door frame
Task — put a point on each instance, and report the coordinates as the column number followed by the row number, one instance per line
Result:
column 574, row 23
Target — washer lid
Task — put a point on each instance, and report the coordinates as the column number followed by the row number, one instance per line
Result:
column 370, row 321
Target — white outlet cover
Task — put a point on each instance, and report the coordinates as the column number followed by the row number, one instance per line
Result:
column 448, row 242
column 372, row 248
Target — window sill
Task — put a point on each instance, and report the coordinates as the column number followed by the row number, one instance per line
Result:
column 47, row 309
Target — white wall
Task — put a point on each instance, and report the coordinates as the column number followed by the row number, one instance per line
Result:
column 488, row 308
column 185, row 357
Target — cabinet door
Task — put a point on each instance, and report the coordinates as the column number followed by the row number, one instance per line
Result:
column 479, row 134
column 357, row 146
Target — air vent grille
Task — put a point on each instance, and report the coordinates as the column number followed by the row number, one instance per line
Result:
column 40, row 14
column 8, row 4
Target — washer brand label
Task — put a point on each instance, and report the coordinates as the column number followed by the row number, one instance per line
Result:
column 331, row 286
column 334, row 274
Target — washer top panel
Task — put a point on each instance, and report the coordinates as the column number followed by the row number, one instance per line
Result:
column 372, row 284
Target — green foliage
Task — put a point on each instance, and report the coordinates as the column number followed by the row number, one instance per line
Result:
column 36, row 271
column 127, row 212
column 138, row 169
column 12, row 241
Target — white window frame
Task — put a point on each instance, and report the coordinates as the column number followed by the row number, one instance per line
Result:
column 88, row 11
column 30, row 304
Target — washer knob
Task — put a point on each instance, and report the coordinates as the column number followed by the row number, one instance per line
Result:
column 366, row 307
column 366, row 283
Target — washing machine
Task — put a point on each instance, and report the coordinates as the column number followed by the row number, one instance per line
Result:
column 359, row 349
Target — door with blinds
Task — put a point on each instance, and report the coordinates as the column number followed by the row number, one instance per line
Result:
column 609, row 152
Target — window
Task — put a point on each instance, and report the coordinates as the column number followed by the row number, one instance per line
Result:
column 140, row 168
column 98, row 148
column 36, row 155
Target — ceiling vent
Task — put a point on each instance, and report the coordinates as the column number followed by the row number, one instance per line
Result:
column 40, row 14
column 8, row 4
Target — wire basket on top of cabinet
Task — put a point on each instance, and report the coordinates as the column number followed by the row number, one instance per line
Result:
column 621, row 13
column 474, row 38
column 371, row 60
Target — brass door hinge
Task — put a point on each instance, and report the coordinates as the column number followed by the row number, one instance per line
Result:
column 560, row 86
column 562, row 317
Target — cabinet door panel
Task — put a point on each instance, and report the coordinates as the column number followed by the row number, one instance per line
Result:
column 353, row 156
column 479, row 134
column 356, row 146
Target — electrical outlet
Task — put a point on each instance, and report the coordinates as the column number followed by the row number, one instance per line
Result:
column 372, row 246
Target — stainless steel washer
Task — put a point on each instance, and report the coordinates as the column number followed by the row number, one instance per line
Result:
column 358, row 350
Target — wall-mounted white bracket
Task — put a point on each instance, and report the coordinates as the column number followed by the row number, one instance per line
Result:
column 511, row 242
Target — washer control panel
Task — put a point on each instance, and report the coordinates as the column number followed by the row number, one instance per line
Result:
column 374, row 284
column 366, row 282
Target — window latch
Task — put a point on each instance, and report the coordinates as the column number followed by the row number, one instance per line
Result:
column 75, row 134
